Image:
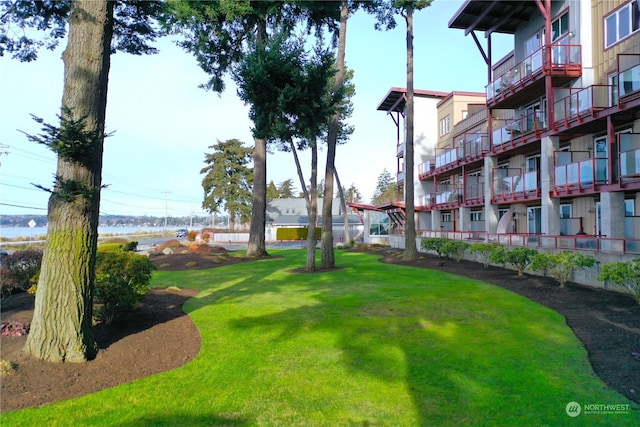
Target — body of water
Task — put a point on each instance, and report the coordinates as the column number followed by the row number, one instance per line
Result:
column 32, row 233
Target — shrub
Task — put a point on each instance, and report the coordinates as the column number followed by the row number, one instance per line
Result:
column 520, row 258
column 434, row 244
column 122, row 280
column 18, row 269
column 454, row 249
column 624, row 274
column 191, row 264
column 561, row 265
column 165, row 265
column 110, row 247
column 191, row 235
column 6, row 367
column 484, row 250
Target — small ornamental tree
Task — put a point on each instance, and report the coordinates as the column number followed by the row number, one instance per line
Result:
column 18, row 269
column 454, row 249
column 624, row 274
column 484, row 250
column 562, row 265
column 520, row 258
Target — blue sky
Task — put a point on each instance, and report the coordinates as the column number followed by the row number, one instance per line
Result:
column 164, row 123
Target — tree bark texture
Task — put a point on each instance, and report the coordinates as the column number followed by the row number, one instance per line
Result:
column 256, row 246
column 61, row 327
column 328, row 256
column 410, row 250
column 312, row 209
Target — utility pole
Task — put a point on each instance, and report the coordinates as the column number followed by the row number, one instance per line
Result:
column 166, row 208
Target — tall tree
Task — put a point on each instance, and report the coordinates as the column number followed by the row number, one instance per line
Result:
column 217, row 33
column 328, row 256
column 272, row 191
column 286, row 189
column 406, row 9
column 228, row 180
column 386, row 189
column 61, row 326
column 352, row 194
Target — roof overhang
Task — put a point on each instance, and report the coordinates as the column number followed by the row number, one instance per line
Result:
column 493, row 16
column 396, row 98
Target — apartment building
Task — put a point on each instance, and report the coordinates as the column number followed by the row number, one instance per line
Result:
column 549, row 156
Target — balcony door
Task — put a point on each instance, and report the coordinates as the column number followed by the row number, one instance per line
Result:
column 601, row 153
column 534, row 220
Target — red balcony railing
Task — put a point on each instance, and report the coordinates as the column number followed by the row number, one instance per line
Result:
column 580, row 103
column 517, row 132
column 447, row 158
column 448, row 196
column 629, row 156
column 474, row 192
column 513, row 188
column 556, row 60
column 474, row 146
column 426, row 169
column 571, row 174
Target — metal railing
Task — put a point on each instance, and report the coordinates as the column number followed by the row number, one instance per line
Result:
column 554, row 59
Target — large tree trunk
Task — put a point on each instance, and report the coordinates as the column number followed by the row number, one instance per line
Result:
column 61, row 326
column 256, row 245
column 328, row 258
column 311, row 201
column 410, row 250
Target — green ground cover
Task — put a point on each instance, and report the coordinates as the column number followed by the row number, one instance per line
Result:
column 367, row 344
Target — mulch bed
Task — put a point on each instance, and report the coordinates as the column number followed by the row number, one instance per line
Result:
column 161, row 337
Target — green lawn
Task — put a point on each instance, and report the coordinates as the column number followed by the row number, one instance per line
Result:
column 368, row 344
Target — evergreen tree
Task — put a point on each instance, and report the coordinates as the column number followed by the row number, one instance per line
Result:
column 61, row 329
column 386, row 189
column 272, row 191
column 286, row 189
column 228, row 180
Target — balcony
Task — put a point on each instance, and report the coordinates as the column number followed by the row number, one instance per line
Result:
column 578, row 106
column 400, row 149
column 400, row 177
column 449, row 196
column 563, row 62
column 474, row 191
column 474, row 147
column 425, row 170
column 628, row 77
column 515, row 187
column 629, row 158
column 574, row 176
column 517, row 132
column 424, row 203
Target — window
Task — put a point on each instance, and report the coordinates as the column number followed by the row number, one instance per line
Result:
column 622, row 23
column 378, row 224
column 560, row 27
column 445, row 125
column 476, row 215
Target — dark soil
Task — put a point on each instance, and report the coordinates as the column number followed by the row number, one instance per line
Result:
column 161, row 337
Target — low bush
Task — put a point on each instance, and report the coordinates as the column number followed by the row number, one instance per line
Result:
column 520, row 258
column 191, row 235
column 122, row 280
column 561, row 265
column 624, row 274
column 484, row 251
column 191, row 264
column 434, row 244
column 454, row 249
column 18, row 269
